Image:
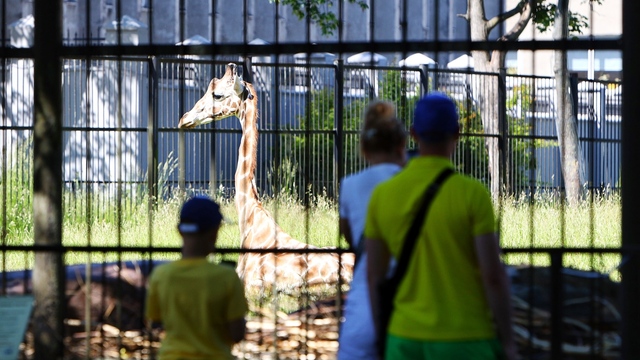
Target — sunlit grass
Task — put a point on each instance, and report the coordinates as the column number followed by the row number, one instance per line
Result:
column 544, row 223
column 100, row 219
column 142, row 226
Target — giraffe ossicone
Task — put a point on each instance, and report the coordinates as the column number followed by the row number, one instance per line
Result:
column 231, row 96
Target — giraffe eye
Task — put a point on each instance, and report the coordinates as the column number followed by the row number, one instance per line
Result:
column 217, row 96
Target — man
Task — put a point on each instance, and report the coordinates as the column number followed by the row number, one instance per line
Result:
column 201, row 305
column 453, row 302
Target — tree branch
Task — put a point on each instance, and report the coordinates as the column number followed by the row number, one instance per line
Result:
column 525, row 15
column 497, row 56
column 464, row 16
column 494, row 21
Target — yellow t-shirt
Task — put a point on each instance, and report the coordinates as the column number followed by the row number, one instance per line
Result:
column 195, row 300
column 441, row 296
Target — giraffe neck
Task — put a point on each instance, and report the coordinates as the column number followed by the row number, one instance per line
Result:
column 258, row 229
column 246, row 191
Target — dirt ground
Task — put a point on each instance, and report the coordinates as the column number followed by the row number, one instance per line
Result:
column 310, row 331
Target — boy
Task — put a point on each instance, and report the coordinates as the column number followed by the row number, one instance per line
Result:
column 201, row 305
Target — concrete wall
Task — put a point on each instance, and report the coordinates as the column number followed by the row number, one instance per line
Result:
column 264, row 19
column 603, row 20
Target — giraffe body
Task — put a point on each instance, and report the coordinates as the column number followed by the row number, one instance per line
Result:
column 231, row 96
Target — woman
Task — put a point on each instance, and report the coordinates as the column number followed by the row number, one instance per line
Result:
column 382, row 143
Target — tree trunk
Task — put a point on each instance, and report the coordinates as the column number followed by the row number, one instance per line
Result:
column 487, row 96
column 48, row 272
column 486, row 93
column 565, row 119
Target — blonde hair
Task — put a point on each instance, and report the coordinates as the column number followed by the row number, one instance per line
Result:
column 382, row 131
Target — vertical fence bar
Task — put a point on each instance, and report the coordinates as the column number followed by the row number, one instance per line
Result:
column 87, row 106
column 339, row 125
column 3, row 152
column 182, row 170
column 555, row 301
column 504, row 144
column 631, row 240
column 573, row 88
column 630, row 178
column 88, row 212
column 152, row 134
column 48, row 272
column 119, row 171
column 424, row 80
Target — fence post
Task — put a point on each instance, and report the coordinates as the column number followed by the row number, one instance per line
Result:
column 503, row 125
column 275, row 120
column 602, row 94
column 152, row 134
column 48, row 272
column 182, row 142
column 630, row 177
column 573, row 88
column 339, row 126
column 556, row 303
column 424, row 78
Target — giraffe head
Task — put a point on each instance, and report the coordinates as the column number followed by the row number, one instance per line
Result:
column 222, row 99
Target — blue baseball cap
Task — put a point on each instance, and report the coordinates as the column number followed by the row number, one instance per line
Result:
column 199, row 214
column 435, row 117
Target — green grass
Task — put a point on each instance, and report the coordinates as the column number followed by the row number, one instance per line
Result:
column 544, row 223
column 137, row 226
column 94, row 219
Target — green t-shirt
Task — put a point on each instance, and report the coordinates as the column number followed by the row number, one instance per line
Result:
column 195, row 300
column 441, row 296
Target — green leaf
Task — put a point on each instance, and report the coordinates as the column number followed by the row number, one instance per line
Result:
column 544, row 17
column 318, row 11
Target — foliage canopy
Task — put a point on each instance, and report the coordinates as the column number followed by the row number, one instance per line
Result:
column 319, row 12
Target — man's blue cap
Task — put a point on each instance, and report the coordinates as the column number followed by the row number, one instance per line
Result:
column 199, row 214
column 435, row 117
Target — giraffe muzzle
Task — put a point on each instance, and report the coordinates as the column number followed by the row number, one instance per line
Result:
column 186, row 124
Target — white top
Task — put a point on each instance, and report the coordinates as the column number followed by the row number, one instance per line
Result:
column 357, row 333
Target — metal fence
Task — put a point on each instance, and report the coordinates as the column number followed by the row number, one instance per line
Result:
column 122, row 146
column 126, row 166
column 107, row 132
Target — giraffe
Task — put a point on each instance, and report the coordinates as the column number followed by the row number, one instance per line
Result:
column 231, row 96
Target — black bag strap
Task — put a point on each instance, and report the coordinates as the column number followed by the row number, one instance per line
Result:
column 412, row 235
